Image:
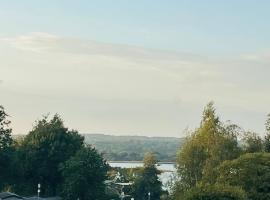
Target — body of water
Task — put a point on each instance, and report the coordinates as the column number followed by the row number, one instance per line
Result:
column 160, row 166
column 168, row 170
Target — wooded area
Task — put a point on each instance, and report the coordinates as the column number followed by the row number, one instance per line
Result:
column 217, row 161
column 133, row 148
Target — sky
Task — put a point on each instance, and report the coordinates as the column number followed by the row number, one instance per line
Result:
column 145, row 67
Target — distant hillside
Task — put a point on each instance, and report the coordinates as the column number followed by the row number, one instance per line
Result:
column 133, row 148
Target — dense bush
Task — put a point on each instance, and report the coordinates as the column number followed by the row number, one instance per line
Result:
column 215, row 192
column 251, row 172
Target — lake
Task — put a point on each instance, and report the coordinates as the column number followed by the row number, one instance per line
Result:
column 169, row 169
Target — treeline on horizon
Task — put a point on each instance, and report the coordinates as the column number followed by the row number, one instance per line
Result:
column 217, row 161
column 133, row 148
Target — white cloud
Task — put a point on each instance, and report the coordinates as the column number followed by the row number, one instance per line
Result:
column 89, row 81
column 36, row 42
column 257, row 57
column 79, row 51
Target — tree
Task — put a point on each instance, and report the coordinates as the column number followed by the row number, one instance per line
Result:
column 5, row 131
column 252, row 143
column 267, row 136
column 149, row 160
column 48, row 145
column 191, row 160
column 84, row 175
column 5, row 148
column 208, row 146
column 215, row 192
column 147, row 183
column 251, row 172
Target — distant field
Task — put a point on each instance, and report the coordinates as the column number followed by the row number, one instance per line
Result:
column 133, row 148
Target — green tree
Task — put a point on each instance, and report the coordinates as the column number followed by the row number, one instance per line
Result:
column 5, row 148
column 84, row 175
column 5, row 131
column 149, row 160
column 208, row 146
column 252, row 143
column 215, row 192
column 251, row 172
column 147, row 182
column 267, row 136
column 49, row 144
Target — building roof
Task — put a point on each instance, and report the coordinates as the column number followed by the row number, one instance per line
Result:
column 12, row 196
column 49, row 198
column 9, row 196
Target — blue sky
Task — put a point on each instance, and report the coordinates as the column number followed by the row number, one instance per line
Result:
column 217, row 27
column 135, row 67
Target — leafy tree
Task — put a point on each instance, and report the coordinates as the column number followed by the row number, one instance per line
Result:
column 267, row 136
column 215, row 192
column 208, row 146
column 149, row 160
column 147, row 182
column 191, row 160
column 5, row 131
column 5, row 148
column 49, row 144
column 84, row 175
column 252, row 143
column 251, row 172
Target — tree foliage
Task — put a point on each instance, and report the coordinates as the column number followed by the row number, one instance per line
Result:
column 209, row 145
column 252, row 143
column 5, row 130
column 5, row 148
column 84, row 175
column 133, row 148
column 149, row 160
column 147, row 182
column 41, row 152
column 251, row 172
column 212, row 164
column 267, row 136
column 215, row 192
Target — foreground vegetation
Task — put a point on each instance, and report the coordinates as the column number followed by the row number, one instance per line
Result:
column 64, row 165
column 217, row 161
column 222, row 161
column 53, row 156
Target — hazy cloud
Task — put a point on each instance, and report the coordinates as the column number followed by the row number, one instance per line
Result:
column 187, row 66
column 126, row 89
column 257, row 57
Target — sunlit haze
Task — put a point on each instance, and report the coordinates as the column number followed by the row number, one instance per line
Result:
column 135, row 67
